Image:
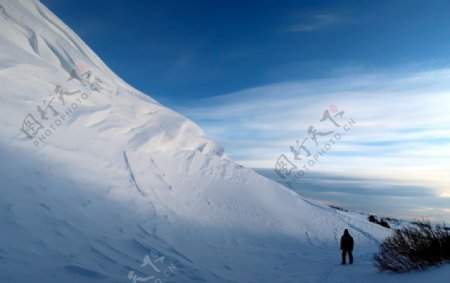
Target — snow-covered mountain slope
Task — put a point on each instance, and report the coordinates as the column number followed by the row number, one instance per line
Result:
column 95, row 176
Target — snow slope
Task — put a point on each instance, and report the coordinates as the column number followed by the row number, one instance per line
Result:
column 96, row 175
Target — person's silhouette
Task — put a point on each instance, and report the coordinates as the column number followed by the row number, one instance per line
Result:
column 347, row 246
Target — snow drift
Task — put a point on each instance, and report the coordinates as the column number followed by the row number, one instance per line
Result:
column 101, row 183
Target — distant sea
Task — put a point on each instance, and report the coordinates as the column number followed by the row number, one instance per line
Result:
column 372, row 196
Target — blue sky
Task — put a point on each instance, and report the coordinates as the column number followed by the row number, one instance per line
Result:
column 256, row 74
column 181, row 50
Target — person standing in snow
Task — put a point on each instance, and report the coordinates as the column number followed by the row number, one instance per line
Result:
column 347, row 246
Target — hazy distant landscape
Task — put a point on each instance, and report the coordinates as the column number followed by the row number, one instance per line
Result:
column 371, row 196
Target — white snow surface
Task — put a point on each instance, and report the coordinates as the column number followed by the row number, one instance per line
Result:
column 122, row 176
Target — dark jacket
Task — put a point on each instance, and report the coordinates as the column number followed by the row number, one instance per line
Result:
column 347, row 242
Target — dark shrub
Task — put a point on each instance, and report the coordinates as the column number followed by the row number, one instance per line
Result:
column 382, row 222
column 372, row 218
column 414, row 247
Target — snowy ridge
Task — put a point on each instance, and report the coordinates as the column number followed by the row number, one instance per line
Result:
column 123, row 176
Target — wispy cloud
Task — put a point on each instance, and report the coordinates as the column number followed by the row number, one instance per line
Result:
column 402, row 131
column 315, row 22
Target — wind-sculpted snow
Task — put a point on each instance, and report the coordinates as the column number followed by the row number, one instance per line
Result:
column 101, row 183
